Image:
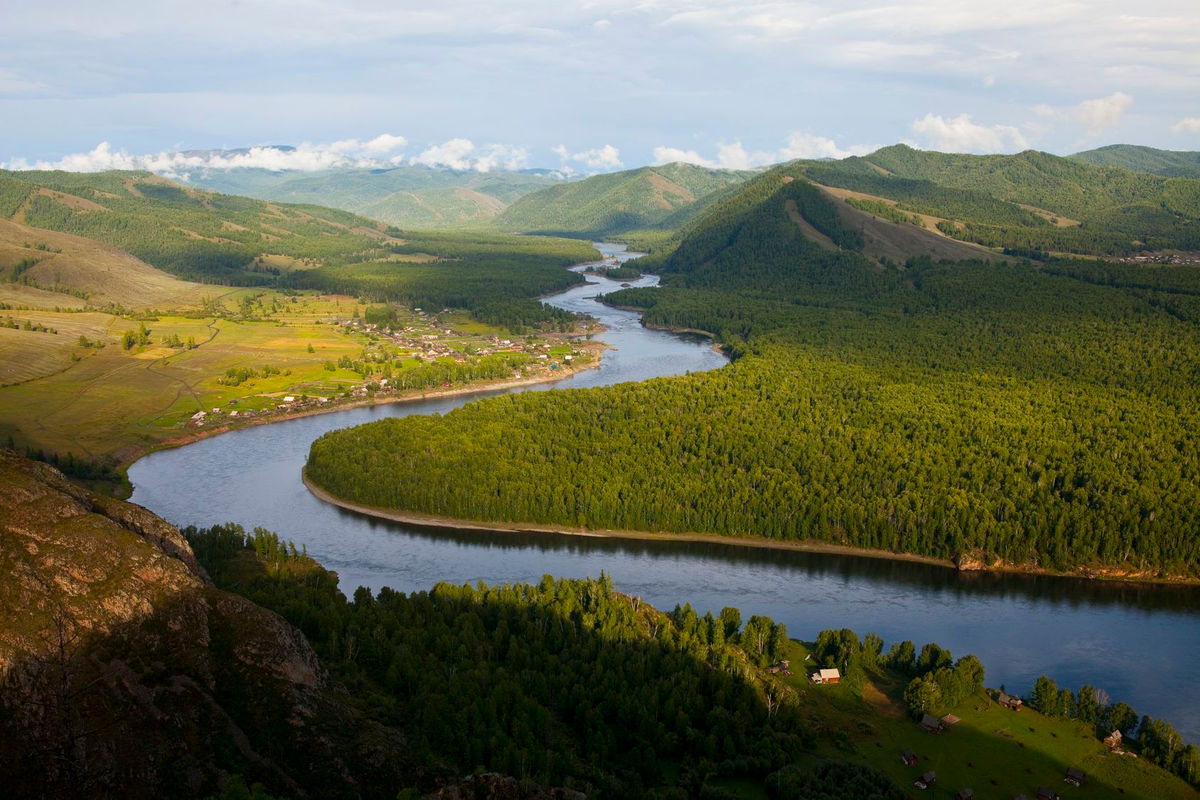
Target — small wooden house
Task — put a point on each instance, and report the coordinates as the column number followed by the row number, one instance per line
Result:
column 965, row 794
column 1075, row 777
column 909, row 758
column 1008, row 701
column 827, row 676
column 931, row 724
column 1113, row 740
column 926, row 780
column 1046, row 793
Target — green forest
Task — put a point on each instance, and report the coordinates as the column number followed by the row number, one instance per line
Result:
column 571, row 683
column 566, row 682
column 1041, row 415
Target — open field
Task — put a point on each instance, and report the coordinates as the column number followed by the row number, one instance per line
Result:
column 107, row 402
column 89, row 269
column 997, row 752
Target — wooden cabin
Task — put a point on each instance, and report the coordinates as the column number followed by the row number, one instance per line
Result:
column 1008, row 701
column 926, row 780
column 931, row 724
column 1046, row 793
column 909, row 758
column 1075, row 777
column 1113, row 740
column 965, row 794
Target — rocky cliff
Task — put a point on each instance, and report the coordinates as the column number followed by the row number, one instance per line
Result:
column 126, row 673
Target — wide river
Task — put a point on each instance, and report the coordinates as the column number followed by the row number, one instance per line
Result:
column 1141, row 644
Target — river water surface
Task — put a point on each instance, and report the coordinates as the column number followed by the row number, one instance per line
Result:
column 1141, row 644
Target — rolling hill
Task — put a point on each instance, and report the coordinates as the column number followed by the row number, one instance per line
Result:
column 1136, row 158
column 1027, row 203
column 405, row 196
column 618, row 202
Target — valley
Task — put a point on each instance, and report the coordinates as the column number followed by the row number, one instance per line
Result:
column 950, row 426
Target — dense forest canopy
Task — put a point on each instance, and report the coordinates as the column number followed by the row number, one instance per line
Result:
column 571, row 683
column 1037, row 414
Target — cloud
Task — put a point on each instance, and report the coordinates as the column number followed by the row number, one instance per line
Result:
column 597, row 158
column 463, row 155
column 735, row 156
column 805, row 145
column 305, row 157
column 385, row 143
column 961, row 135
column 1187, row 125
column 1101, row 113
column 668, row 155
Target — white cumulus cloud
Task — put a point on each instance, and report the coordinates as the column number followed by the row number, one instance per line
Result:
column 735, row 156
column 1187, row 125
column 305, row 157
column 961, row 135
column 1101, row 113
column 596, row 158
column 463, row 155
column 806, row 145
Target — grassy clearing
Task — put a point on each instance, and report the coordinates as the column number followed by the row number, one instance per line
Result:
column 107, row 402
column 997, row 752
column 101, row 273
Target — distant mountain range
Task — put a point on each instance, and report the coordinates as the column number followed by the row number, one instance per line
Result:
column 406, row 196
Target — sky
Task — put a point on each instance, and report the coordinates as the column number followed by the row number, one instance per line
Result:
column 585, row 86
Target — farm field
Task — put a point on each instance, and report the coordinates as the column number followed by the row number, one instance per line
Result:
column 76, row 387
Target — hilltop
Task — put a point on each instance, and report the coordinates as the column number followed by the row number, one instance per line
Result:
column 661, row 197
column 1030, row 203
column 1137, row 158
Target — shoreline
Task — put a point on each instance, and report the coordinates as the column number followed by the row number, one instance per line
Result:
column 437, row 522
column 474, row 388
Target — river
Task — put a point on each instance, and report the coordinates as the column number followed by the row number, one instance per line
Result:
column 1139, row 643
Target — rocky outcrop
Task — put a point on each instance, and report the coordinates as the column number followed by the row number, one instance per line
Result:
column 126, row 673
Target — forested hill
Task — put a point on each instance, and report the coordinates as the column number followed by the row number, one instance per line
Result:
column 405, row 196
column 1136, row 158
column 1037, row 415
column 215, row 238
column 1029, row 203
column 602, row 205
column 194, row 234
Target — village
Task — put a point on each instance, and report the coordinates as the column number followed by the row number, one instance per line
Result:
column 406, row 352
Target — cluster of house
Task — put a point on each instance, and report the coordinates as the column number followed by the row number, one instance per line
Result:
column 784, row 667
column 1179, row 259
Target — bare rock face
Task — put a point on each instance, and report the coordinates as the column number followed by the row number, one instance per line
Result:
column 125, row 672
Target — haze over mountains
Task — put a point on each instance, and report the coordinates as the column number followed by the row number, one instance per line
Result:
column 665, row 196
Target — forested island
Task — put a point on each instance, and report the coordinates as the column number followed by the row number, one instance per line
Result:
column 994, row 412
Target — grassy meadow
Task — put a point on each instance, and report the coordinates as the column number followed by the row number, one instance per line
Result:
column 995, row 751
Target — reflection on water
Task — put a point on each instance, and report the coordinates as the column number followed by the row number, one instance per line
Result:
column 1020, row 626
